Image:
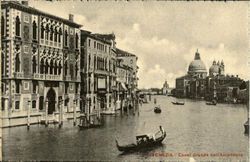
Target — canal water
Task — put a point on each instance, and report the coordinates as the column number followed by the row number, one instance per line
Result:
column 213, row 132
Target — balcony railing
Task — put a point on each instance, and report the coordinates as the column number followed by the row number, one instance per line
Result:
column 18, row 75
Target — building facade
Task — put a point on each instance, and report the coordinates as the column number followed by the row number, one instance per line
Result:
column 99, row 74
column 40, row 62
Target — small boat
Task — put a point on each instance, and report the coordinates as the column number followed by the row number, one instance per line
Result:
column 143, row 141
column 246, row 126
column 157, row 109
column 178, row 103
column 211, row 103
column 85, row 124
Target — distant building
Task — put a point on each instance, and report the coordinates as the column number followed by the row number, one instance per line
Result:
column 165, row 88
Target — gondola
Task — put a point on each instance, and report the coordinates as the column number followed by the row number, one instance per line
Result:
column 143, row 141
column 157, row 109
column 178, row 103
column 86, row 125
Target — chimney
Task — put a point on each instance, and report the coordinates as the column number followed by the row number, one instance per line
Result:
column 71, row 17
column 26, row 3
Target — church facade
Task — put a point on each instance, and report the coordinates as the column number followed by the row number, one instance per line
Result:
column 40, row 62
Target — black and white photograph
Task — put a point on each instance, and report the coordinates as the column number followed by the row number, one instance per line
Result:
column 124, row 80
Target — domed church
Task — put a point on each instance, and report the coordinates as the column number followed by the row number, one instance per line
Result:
column 197, row 67
column 217, row 69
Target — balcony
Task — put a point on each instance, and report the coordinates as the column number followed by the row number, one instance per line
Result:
column 18, row 75
column 53, row 77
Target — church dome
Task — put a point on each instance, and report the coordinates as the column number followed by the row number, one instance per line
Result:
column 197, row 65
column 214, row 69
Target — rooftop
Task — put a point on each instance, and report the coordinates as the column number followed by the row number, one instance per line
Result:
column 32, row 10
column 121, row 53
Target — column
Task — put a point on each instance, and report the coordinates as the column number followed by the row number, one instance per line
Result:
column 74, row 115
column 46, row 112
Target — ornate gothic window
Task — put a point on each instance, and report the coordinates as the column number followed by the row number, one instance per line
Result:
column 42, row 31
column 17, row 86
column 46, row 67
column 17, row 26
column 60, row 33
column 66, row 38
column 2, row 26
column 59, row 68
column 47, row 32
column 77, row 38
column 17, row 63
column 34, row 64
column 51, row 66
column 42, row 66
column 55, row 35
column 55, row 68
column 34, row 30
column 51, row 33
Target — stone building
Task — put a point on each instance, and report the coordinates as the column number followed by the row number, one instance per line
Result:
column 98, row 70
column 193, row 83
column 40, row 62
column 165, row 88
column 217, row 69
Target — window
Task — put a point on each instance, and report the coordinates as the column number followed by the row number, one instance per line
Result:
column 59, row 37
column 17, row 63
column 66, row 38
column 2, row 26
column 34, row 64
column 55, row 68
column 42, row 31
column 3, row 103
column 17, row 86
column 17, row 105
column 89, row 42
column 55, row 35
column 2, row 63
column 77, row 38
column 59, row 68
column 26, row 19
column 33, row 104
column 51, row 67
column 35, row 84
column 76, row 88
column 42, row 66
column 34, row 30
column 46, row 67
column 51, row 33
column 66, row 88
column 26, row 85
column 95, row 44
column 66, row 68
column 47, row 32
column 76, row 69
column 17, row 26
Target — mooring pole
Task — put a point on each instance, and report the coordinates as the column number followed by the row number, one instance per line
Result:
column 46, row 113
column 74, row 115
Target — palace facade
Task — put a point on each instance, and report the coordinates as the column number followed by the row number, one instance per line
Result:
column 40, row 62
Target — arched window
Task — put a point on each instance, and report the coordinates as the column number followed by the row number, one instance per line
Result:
column 59, row 68
column 66, row 68
column 17, row 63
column 55, row 68
column 51, row 66
column 77, row 38
column 34, row 64
column 47, row 32
column 66, row 38
column 55, row 35
column 2, row 26
column 42, row 31
column 42, row 66
column 34, row 30
column 51, row 33
column 76, row 69
column 17, row 26
column 46, row 67
column 60, row 33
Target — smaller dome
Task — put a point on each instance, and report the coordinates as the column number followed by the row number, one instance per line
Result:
column 214, row 69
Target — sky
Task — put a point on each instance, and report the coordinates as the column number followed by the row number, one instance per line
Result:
column 166, row 35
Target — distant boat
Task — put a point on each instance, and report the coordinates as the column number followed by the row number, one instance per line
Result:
column 178, row 103
column 157, row 109
column 246, row 126
column 85, row 124
column 170, row 95
column 211, row 103
column 143, row 141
